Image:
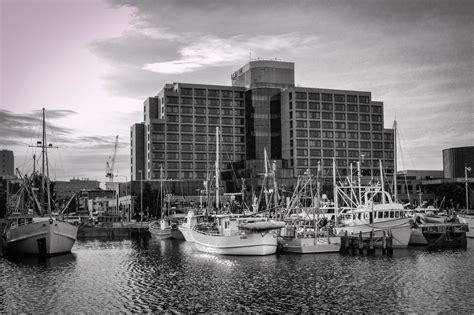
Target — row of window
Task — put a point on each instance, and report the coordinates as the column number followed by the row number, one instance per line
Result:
column 203, row 120
column 338, row 153
column 337, row 116
column 204, row 110
column 202, row 101
column 327, row 97
column 197, row 147
column 199, row 129
column 339, row 162
column 337, row 107
column 341, row 144
column 211, row 92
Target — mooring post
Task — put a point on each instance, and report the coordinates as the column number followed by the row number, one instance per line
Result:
column 361, row 243
column 390, row 243
column 384, row 242
column 371, row 243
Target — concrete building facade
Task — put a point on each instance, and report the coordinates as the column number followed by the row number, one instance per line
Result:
column 7, row 164
column 263, row 109
column 456, row 159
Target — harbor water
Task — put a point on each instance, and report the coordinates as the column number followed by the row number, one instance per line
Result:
column 146, row 275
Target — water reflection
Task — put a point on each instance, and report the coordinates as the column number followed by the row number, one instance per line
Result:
column 147, row 275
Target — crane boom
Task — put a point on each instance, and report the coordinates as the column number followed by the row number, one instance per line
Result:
column 109, row 166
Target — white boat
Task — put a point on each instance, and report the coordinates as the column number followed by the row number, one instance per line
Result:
column 31, row 228
column 160, row 229
column 39, row 235
column 309, row 233
column 235, row 235
column 371, row 209
column 468, row 218
column 189, row 222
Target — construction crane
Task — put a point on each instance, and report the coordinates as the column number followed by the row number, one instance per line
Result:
column 109, row 166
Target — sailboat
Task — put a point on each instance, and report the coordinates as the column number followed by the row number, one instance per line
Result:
column 161, row 229
column 233, row 234
column 36, row 230
column 307, row 232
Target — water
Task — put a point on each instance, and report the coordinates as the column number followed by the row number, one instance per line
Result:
column 171, row 276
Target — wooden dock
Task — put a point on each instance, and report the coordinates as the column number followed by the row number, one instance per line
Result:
column 351, row 243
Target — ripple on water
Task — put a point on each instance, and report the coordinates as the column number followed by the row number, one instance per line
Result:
column 147, row 275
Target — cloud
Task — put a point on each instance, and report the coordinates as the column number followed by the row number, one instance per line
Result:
column 214, row 51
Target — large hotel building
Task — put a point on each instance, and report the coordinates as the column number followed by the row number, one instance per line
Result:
column 263, row 109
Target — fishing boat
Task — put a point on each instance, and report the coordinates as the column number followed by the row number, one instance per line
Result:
column 31, row 228
column 450, row 234
column 310, row 234
column 371, row 209
column 190, row 220
column 468, row 217
column 232, row 234
column 161, row 229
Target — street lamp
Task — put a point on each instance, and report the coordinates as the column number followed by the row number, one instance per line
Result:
column 467, row 169
column 141, row 194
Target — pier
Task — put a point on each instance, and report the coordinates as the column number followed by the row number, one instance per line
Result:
column 351, row 243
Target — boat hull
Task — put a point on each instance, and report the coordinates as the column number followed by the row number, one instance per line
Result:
column 251, row 244
column 48, row 237
column 400, row 230
column 308, row 245
column 469, row 219
column 187, row 233
column 176, row 234
column 417, row 238
column 445, row 236
column 160, row 230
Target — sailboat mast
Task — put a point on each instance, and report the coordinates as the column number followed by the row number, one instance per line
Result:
column 161, row 190
column 381, row 181
column 47, row 165
column 43, row 150
column 336, row 205
column 217, row 168
column 395, row 160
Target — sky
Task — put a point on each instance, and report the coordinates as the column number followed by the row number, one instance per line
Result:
column 92, row 63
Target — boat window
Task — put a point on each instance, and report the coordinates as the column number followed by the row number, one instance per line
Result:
column 226, row 224
column 391, row 214
column 359, row 216
column 380, row 214
column 385, row 214
column 397, row 214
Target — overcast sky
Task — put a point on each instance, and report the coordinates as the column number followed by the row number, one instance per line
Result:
column 92, row 63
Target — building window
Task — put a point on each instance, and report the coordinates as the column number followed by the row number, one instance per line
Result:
column 365, row 135
column 327, row 125
column 340, row 135
column 376, row 127
column 301, row 152
column 301, row 124
column 172, row 109
column 200, row 110
column 340, row 144
column 187, row 119
column 327, row 106
column 226, row 103
column 172, row 100
column 363, row 99
column 301, row 143
column 199, row 92
column 186, row 101
column 328, row 153
column 186, row 128
column 327, row 115
column 313, row 96
column 186, row 91
column 353, row 144
column 377, row 136
column 328, row 143
column 300, row 95
column 300, row 114
column 314, row 124
column 328, row 134
column 315, row 133
column 315, row 153
column 302, row 162
column 376, row 109
column 187, row 146
column 314, row 106
column 326, row 97
column 227, row 94
column 213, row 111
column 170, row 127
column 186, row 156
column 301, row 133
column 365, row 145
column 315, row 143
column 364, row 117
column 351, row 99
column 341, row 153
column 340, row 125
column 301, row 105
column 238, row 94
column 364, row 126
column 364, row 108
column 340, row 116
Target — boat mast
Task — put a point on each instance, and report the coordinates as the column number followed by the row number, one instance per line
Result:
column 467, row 169
column 395, row 160
column 336, row 205
column 43, row 150
column 161, row 190
column 381, row 181
column 217, row 168
column 47, row 164
column 316, row 209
